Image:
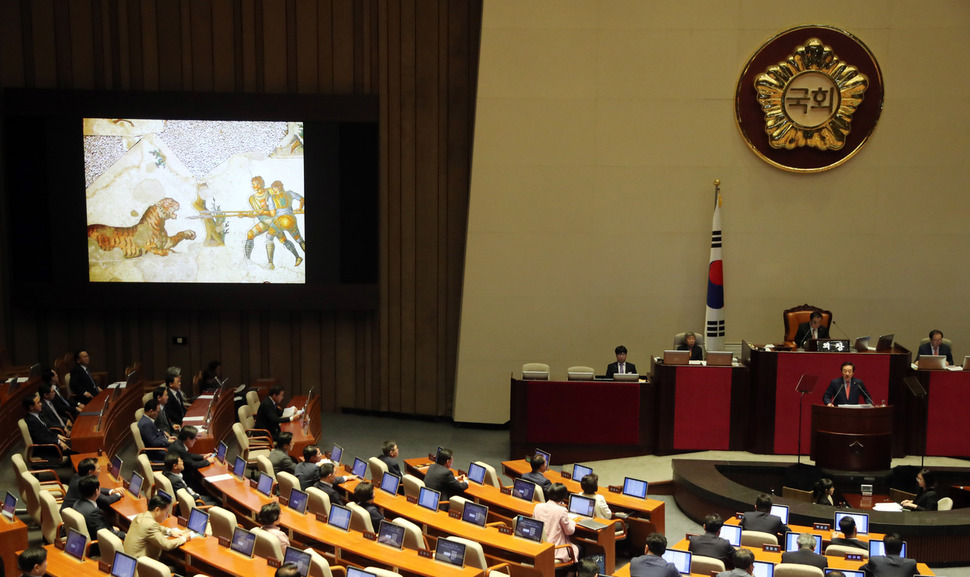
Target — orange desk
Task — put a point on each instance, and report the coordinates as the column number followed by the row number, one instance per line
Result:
column 87, row 436
column 825, row 536
column 60, row 564
column 220, row 419
column 304, row 436
column 13, row 538
column 207, row 557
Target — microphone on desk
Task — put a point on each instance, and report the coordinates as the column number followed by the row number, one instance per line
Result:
column 844, row 334
column 866, row 393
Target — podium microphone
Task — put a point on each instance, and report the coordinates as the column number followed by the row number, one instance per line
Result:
column 865, row 393
column 840, row 329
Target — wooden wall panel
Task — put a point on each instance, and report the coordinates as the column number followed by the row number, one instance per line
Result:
column 418, row 57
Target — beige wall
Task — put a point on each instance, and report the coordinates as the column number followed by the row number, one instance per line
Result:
column 600, row 128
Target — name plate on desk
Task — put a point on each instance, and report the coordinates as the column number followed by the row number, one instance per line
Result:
column 454, row 514
column 104, row 567
column 506, row 490
column 182, row 521
column 252, row 483
column 769, row 548
column 321, row 517
column 412, row 499
column 822, row 527
column 284, row 501
column 370, row 535
column 566, row 475
column 59, row 545
column 223, row 541
column 615, row 489
column 425, row 553
column 505, row 530
column 853, row 557
column 274, row 563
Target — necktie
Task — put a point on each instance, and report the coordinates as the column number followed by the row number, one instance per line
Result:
column 621, row 368
column 936, row 351
column 53, row 410
column 847, row 399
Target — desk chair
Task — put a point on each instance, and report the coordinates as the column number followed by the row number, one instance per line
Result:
column 474, row 554
column 109, row 543
column 537, row 369
column 491, row 475
column 412, row 485
column 50, row 518
column 945, row 504
column 264, row 466
column 144, row 467
column 796, row 494
column 139, row 414
column 156, row 455
column 413, row 537
column 796, row 570
column 248, row 420
column 377, row 469
column 457, row 504
column 148, row 567
column 252, row 401
column 147, row 397
column 31, row 497
column 40, row 456
column 30, row 485
column 797, row 315
column 286, row 483
column 842, row 550
column 320, row 567
column 539, row 496
column 680, row 338
column 75, row 520
column 580, row 373
column 757, row 538
column 267, row 545
column 223, row 522
column 318, row 502
column 250, row 448
column 162, row 483
column 186, row 502
column 359, row 518
column 705, row 565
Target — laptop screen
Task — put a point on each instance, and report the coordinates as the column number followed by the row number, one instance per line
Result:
column 391, row 534
column 428, row 498
column 764, row 569
column 123, row 565
column 390, row 482
column 75, row 543
column 791, row 542
column 335, row 453
column 475, row 514
column 524, row 489
column 299, row 558
column 265, row 485
column 166, row 496
column 297, row 500
column 780, row 511
column 476, row 473
column 9, row 505
column 846, row 572
column 680, row 559
column 635, row 488
column 861, row 521
column 580, row 505
column 198, row 521
column 221, row 452
column 239, row 467
column 451, row 552
column 114, row 467
column 243, row 542
column 580, row 471
column 545, row 455
column 732, row 533
column 360, row 468
column 355, row 572
column 877, row 548
column 134, row 485
column 339, row 517
column 528, row 528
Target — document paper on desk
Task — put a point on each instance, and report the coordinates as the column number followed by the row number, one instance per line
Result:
column 289, row 412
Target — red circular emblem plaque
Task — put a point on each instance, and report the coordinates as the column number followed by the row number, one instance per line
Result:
column 809, row 98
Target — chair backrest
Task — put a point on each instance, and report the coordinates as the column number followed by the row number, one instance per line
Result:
column 796, row 494
column 148, row 567
column 539, row 496
column 474, row 554
column 680, row 338
column 491, row 475
column 412, row 485
column 246, row 418
column 359, row 518
column 377, row 469
column 75, row 520
column 457, row 503
column 147, row 397
column 136, row 435
column 239, row 431
column 536, row 368
column 109, row 544
column 413, row 537
column 25, row 435
column 265, row 466
column 162, row 482
column 287, row 482
column 580, row 373
column 31, row 496
column 145, row 469
column 20, row 467
column 319, row 566
column 317, row 502
column 797, row 570
column 842, row 550
column 945, row 504
column 252, row 399
column 704, row 565
column 50, row 517
column 223, row 522
column 757, row 538
column 267, row 545
column 801, row 314
column 139, row 414
column 186, row 502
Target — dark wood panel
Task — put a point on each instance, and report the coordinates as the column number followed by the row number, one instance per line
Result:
column 419, row 58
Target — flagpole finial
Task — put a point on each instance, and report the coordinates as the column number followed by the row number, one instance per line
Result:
column 717, row 182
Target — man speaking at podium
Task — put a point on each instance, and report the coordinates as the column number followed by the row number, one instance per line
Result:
column 846, row 390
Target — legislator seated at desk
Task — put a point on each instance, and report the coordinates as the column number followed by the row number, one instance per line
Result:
column 32, row 562
column 846, row 390
column 652, row 563
column 90, row 466
column 269, row 417
column 711, row 544
column 147, row 537
column 761, row 518
column 620, row 366
column 890, row 564
column 81, row 381
column 935, row 345
column 690, row 342
column 813, row 329
column 441, row 478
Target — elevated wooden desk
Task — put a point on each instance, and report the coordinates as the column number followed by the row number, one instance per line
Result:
column 941, row 420
column 304, row 436
column 207, row 557
column 852, row 439
column 11, row 411
column 60, row 564
column 114, row 431
column 13, row 538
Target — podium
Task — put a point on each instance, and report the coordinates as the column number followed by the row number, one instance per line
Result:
column 852, row 439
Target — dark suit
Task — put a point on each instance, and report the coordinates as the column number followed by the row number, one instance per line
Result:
column 192, row 462
column 652, row 566
column 81, row 382
column 710, row 545
column 174, row 409
column 392, row 465
column 162, row 419
column 890, row 566
column 613, row 368
column 50, row 415
column 375, row 515
column 308, row 473
column 538, row 479
column 805, row 557
column 335, row 497
column 105, row 499
column 440, row 478
column 40, row 432
column 927, row 349
column 151, row 435
column 281, row 461
column 804, row 334
column 835, row 394
column 269, row 417
column 696, row 353
column 764, row 522
column 65, row 407
column 927, row 500
column 849, row 543
column 94, row 518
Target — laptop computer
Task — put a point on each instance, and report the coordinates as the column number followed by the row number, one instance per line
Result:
column 134, row 485
column 75, row 544
column 528, row 528
column 429, row 498
column 450, row 552
column 197, row 523
column 9, row 506
column 791, row 542
column 339, row 517
column 861, row 344
column 299, row 558
column 626, row 377
column 780, row 511
column 165, row 496
column 335, row 453
column 732, row 533
column 545, row 455
column 524, row 489
column 676, row 357
column 390, row 482
column 680, row 559
column 720, row 358
column 861, row 521
column 114, row 468
column 476, row 473
column 297, row 500
column 932, row 362
column 390, row 534
column 239, row 468
column 763, row 569
column 123, row 565
column 265, row 484
column 877, row 548
column 885, row 343
column 474, row 513
column 355, row 572
column 360, row 468
column 580, row 471
column 846, row 572
column 635, row 488
column 584, row 507
column 221, row 452
column 535, row 375
column 243, row 542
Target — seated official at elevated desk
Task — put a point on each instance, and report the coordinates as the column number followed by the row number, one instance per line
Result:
column 620, row 366
column 813, row 329
column 935, row 347
column 690, row 344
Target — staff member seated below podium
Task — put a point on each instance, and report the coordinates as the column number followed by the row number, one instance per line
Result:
column 846, row 390
column 620, row 366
